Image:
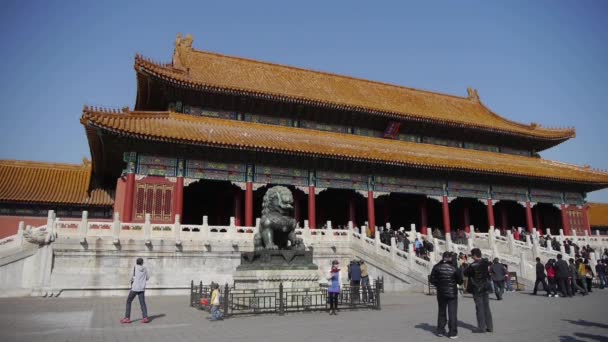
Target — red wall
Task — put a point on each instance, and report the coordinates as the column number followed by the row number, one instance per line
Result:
column 119, row 198
column 10, row 224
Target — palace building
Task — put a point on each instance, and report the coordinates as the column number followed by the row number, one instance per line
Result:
column 210, row 133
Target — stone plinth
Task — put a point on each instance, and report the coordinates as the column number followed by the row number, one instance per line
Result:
column 266, row 269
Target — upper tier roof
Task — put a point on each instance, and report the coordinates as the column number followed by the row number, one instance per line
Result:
column 200, row 69
column 49, row 183
column 188, row 129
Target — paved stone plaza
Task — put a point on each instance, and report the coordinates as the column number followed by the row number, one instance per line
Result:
column 404, row 317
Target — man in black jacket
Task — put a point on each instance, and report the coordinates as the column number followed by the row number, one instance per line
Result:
column 479, row 276
column 446, row 276
column 540, row 277
column 562, row 272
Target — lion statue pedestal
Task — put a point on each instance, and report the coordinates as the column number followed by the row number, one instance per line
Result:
column 279, row 255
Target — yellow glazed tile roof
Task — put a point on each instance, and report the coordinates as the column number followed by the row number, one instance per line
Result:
column 219, row 72
column 188, row 129
column 35, row 182
column 598, row 214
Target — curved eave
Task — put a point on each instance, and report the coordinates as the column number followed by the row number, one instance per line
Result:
column 172, row 76
column 298, row 151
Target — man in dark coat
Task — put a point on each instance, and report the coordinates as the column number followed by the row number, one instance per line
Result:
column 499, row 273
column 540, row 277
column 562, row 273
column 479, row 277
column 446, row 276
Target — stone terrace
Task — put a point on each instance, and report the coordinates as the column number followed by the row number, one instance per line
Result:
column 520, row 317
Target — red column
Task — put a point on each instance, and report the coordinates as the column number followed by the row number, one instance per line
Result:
column 529, row 222
column 539, row 226
column 178, row 202
column 565, row 221
column 238, row 206
column 312, row 213
column 352, row 216
column 249, row 204
column 423, row 217
column 297, row 210
column 586, row 219
column 446, row 215
column 504, row 219
column 130, row 189
column 466, row 217
column 491, row 222
column 371, row 215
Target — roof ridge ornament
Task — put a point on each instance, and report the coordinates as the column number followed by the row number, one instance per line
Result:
column 182, row 44
column 473, row 95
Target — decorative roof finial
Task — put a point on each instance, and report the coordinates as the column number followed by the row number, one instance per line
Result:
column 473, row 95
column 183, row 41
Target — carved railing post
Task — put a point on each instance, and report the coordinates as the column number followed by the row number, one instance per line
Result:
column 393, row 248
column 471, row 240
column 205, row 229
column 511, row 243
column 116, row 227
column 377, row 241
column 84, row 227
column 148, row 229
column 50, row 223
column 351, row 229
column 231, row 233
column 412, row 232
column 177, row 230
column 19, row 240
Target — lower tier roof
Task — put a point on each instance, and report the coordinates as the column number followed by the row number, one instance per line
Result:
column 49, row 183
column 187, row 129
column 598, row 214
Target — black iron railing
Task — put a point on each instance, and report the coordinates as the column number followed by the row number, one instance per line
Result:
column 283, row 300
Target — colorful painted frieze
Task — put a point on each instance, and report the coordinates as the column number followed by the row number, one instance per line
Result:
column 465, row 189
column 408, row 185
column 156, row 166
column 545, row 196
column 511, row 193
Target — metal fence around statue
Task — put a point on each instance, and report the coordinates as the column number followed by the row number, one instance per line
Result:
column 281, row 300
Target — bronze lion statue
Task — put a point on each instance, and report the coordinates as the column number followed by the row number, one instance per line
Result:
column 277, row 225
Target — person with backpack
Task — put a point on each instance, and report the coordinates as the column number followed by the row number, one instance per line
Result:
column 498, row 272
column 446, row 276
column 562, row 273
column 479, row 279
column 138, row 287
column 574, row 283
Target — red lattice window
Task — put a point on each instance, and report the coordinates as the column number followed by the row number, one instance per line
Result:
column 154, row 199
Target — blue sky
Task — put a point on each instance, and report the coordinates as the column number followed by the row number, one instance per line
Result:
column 532, row 61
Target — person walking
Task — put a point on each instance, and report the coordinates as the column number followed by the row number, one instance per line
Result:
column 550, row 268
column 586, row 274
column 574, row 283
column 334, row 287
column 138, row 287
column 562, row 273
column 216, row 314
column 479, row 278
column 446, row 276
column 540, row 277
column 354, row 275
column 498, row 273
column 368, row 294
column 600, row 271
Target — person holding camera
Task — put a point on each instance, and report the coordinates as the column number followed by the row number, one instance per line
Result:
column 446, row 276
column 479, row 281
